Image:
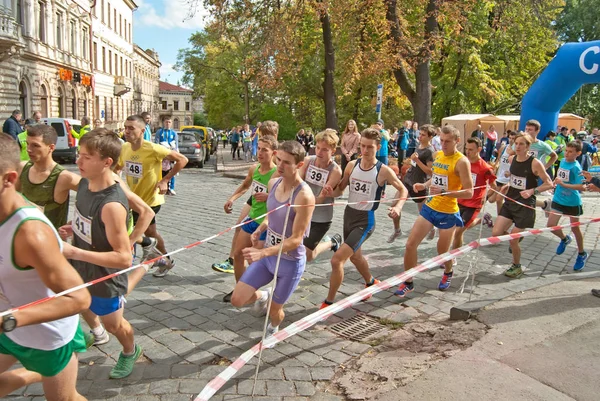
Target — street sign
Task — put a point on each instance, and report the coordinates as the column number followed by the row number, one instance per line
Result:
column 379, row 100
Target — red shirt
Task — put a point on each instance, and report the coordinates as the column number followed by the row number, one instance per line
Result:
column 482, row 173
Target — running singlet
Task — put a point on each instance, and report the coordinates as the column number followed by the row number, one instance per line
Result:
column 364, row 187
column 540, row 150
column 444, row 176
column 482, row 174
column 503, row 167
column 316, row 178
column 143, row 170
column 569, row 172
column 260, row 183
column 521, row 178
column 42, row 194
column 21, row 286
column 89, row 234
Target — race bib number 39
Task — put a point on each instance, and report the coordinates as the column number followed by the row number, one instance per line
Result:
column 563, row 174
column 82, row 227
column 360, row 187
column 316, row 176
column 134, row 169
column 518, row 182
column 440, row 181
column 273, row 239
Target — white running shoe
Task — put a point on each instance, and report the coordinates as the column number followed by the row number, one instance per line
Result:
column 260, row 305
column 270, row 332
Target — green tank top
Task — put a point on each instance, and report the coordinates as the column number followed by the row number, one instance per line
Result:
column 43, row 195
column 260, row 183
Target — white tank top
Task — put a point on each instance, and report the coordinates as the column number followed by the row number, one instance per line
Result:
column 22, row 286
column 503, row 167
column 364, row 187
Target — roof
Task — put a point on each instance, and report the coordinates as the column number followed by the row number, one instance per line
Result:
column 470, row 117
column 167, row 87
column 570, row 116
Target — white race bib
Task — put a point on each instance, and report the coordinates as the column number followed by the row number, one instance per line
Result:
column 360, row 187
column 316, row 176
column 504, row 159
column 413, row 163
column 474, row 177
column 82, row 227
column 533, row 153
column 134, row 169
column 257, row 187
column 518, row 182
column 563, row 174
column 440, row 181
column 273, row 239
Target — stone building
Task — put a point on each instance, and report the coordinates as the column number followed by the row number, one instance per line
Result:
column 176, row 102
column 146, row 74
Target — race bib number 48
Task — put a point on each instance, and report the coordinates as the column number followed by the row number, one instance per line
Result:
column 563, row 174
column 518, row 182
column 360, row 187
column 316, row 176
column 134, row 169
column 82, row 227
column 440, row 181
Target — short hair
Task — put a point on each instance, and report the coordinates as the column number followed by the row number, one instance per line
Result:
column 85, row 120
column 47, row 132
column 575, row 145
column 30, row 122
column 293, row 148
column 137, row 119
column 104, row 142
column 16, row 112
column 329, row 136
column 9, row 149
column 269, row 128
column 428, row 129
column 476, row 141
column 269, row 140
column 163, row 119
column 533, row 123
column 144, row 114
column 527, row 138
column 371, row 133
column 451, row 129
column 550, row 133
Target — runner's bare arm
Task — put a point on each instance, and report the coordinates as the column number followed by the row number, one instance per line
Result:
column 244, row 186
column 540, row 170
column 550, row 162
column 426, row 168
column 344, row 182
column 304, row 167
column 145, row 212
column 463, row 171
column 332, row 181
column 67, row 181
column 54, row 270
column 180, row 162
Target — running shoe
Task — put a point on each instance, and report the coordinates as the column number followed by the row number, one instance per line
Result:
column 445, row 282
column 560, row 249
column 454, row 262
column 164, row 266
column 227, row 297
column 223, row 267
column 151, row 251
column 89, row 339
column 547, row 207
column 100, row 339
column 394, row 235
column 580, row 262
column 514, row 271
column 125, row 364
column 270, row 332
column 431, row 234
column 325, row 305
column 596, row 292
column 373, row 281
column 260, row 306
column 488, row 220
column 336, row 242
column 404, row 289
column 172, row 192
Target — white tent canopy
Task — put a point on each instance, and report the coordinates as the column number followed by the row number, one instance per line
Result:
column 467, row 123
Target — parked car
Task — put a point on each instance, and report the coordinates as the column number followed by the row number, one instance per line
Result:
column 207, row 135
column 191, row 147
column 214, row 140
column 66, row 145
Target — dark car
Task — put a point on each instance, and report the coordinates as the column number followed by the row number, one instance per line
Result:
column 192, row 148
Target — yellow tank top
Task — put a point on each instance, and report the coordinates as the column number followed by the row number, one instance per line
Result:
column 444, row 176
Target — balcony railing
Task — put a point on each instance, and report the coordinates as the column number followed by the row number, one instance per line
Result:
column 9, row 29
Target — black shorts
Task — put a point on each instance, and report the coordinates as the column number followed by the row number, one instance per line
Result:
column 521, row 216
column 414, row 194
column 358, row 226
column 569, row 210
column 316, row 234
column 249, row 201
column 468, row 214
column 136, row 216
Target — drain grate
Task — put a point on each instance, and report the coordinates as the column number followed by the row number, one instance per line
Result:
column 357, row 328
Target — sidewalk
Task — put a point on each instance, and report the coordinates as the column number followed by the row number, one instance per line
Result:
column 228, row 167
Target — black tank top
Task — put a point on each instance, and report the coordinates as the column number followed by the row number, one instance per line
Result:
column 521, row 178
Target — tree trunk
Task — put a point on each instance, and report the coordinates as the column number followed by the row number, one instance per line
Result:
column 357, row 103
column 247, row 101
column 328, row 87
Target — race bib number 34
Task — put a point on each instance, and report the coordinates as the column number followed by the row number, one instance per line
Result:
column 82, row 227
column 134, row 169
column 440, row 181
column 518, row 182
column 360, row 187
column 316, row 176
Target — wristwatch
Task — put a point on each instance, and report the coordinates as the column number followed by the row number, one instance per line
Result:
column 9, row 323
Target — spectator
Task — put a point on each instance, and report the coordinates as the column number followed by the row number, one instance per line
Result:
column 148, row 130
column 413, row 133
column 309, row 141
column 37, row 117
column 587, row 149
column 350, row 145
column 402, row 143
column 478, row 133
column 300, row 137
column 23, row 139
column 491, row 138
column 12, row 125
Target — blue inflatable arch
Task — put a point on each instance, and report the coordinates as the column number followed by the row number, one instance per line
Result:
column 575, row 64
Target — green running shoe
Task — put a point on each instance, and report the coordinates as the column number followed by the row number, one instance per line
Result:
column 514, row 271
column 125, row 364
column 224, row 267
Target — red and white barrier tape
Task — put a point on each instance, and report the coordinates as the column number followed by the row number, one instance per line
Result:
column 214, row 385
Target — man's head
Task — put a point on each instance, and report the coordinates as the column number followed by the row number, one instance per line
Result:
column 269, row 128
column 581, row 135
column 267, row 145
column 17, row 114
column 258, row 124
column 473, row 149
column 595, row 132
column 326, row 144
column 407, row 124
column 167, row 122
column 99, row 152
column 380, row 123
column 426, row 132
column 37, row 117
column 146, row 117
column 532, row 128
column 9, row 162
column 551, row 135
column 449, row 138
column 511, row 137
column 290, row 157
column 97, row 123
column 85, row 121
column 41, row 142
column 564, row 130
column 134, row 128
column 370, row 142
column 573, row 150
column 478, row 127
column 30, row 122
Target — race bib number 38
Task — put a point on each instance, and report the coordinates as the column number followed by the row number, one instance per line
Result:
column 82, row 227
column 316, row 176
column 360, row 187
column 440, row 181
column 134, row 169
column 518, row 182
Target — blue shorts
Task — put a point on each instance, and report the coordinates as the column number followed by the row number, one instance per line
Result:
column 252, row 226
column 262, row 273
column 441, row 220
column 106, row 306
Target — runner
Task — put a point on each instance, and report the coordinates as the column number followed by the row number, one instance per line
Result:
column 366, row 177
column 567, row 200
column 451, row 171
column 525, row 170
column 421, row 161
column 100, row 241
column 320, row 170
column 290, row 157
column 42, row 337
column 503, row 172
column 482, row 174
column 142, row 163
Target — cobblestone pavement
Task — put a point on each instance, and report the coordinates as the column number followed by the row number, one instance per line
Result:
column 189, row 335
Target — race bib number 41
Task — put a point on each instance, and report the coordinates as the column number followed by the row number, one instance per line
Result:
column 360, row 187
column 518, row 182
column 82, row 227
column 134, row 169
column 440, row 181
column 316, row 176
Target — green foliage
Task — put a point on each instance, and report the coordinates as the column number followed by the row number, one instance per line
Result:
column 200, row 119
column 284, row 116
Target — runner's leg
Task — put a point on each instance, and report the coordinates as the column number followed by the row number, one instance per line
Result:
column 443, row 245
column 337, row 270
column 62, row 386
column 361, row 264
column 418, row 233
column 116, row 324
column 243, row 241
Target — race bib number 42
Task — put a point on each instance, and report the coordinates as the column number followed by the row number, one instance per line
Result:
column 134, row 169
column 518, row 182
column 360, row 187
column 82, row 227
column 316, row 176
column 440, row 181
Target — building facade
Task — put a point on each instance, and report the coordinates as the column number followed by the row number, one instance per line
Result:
column 146, row 74
column 176, row 102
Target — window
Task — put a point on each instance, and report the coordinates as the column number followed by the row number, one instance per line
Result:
column 115, row 24
column 102, row 10
column 176, row 124
column 42, row 22
column 103, row 59
column 59, row 33
column 129, row 29
column 72, row 37
column 122, row 73
column 23, row 101
column 108, row 14
column 110, row 62
column 120, row 25
column 164, row 104
column 85, row 40
column 187, row 106
column 175, row 105
column 95, row 56
column 20, row 16
column 61, row 102
column 44, row 101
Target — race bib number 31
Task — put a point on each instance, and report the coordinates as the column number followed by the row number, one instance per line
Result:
column 134, row 169
column 82, row 227
column 518, row 182
column 316, row 176
column 440, row 181
column 360, row 187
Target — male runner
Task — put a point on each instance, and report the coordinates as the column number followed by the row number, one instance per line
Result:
column 451, row 171
column 41, row 337
column 317, row 171
column 502, row 173
column 100, row 241
column 290, row 157
column 567, row 200
column 142, row 163
column 421, row 161
column 365, row 177
column 525, row 170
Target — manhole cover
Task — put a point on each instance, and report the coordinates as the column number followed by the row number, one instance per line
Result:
column 357, row 328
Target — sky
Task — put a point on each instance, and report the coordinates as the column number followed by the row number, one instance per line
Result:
column 160, row 25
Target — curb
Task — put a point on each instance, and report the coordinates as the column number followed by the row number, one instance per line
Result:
column 472, row 308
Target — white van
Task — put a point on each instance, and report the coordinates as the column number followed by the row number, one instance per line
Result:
column 66, row 146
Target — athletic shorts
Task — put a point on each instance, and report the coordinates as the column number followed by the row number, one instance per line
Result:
column 136, row 216
column 569, row 210
column 521, row 216
column 252, row 226
column 468, row 214
column 106, row 306
column 413, row 194
column 262, row 272
column 316, row 234
column 249, row 201
column 46, row 363
column 358, row 226
column 441, row 220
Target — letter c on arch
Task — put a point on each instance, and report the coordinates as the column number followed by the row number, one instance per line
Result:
column 594, row 68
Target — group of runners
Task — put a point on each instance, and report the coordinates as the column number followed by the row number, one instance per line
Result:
column 111, row 215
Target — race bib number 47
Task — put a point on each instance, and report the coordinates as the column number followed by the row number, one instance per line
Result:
column 316, row 176
column 518, row 182
column 82, row 227
column 134, row 169
column 440, row 181
column 257, row 187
